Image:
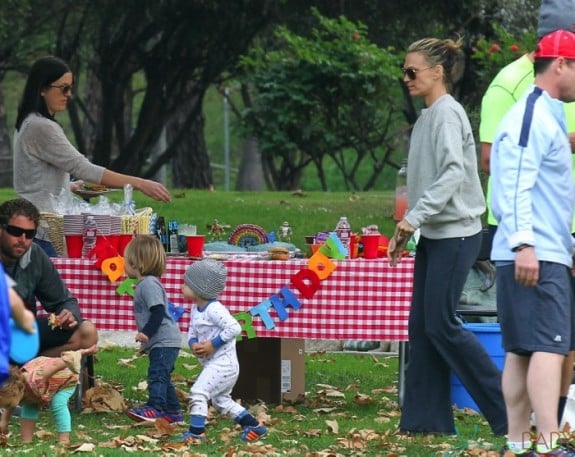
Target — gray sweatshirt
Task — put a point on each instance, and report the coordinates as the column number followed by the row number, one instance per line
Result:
column 44, row 159
column 444, row 192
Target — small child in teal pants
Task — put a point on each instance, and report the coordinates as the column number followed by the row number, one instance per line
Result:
column 42, row 381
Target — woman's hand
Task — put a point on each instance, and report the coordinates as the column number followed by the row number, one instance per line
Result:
column 155, row 190
column 76, row 185
column 396, row 246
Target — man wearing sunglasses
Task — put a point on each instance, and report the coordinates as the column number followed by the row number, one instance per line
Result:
column 38, row 280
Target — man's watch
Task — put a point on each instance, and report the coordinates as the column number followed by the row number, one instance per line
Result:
column 521, row 247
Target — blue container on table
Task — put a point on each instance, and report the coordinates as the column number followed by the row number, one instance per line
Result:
column 489, row 334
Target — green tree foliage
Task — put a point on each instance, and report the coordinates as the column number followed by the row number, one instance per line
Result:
column 142, row 68
column 491, row 55
column 330, row 92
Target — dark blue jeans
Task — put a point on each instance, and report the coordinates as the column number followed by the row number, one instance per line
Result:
column 161, row 391
column 438, row 344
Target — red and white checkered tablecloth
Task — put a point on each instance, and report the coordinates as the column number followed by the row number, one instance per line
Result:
column 361, row 300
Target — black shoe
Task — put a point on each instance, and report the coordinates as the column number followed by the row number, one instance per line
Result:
column 560, row 451
column 505, row 452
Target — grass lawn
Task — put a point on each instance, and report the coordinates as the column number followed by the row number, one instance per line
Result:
column 351, row 401
column 350, row 410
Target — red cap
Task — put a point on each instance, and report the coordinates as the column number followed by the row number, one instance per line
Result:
column 560, row 43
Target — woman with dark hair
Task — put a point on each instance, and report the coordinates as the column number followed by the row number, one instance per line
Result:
column 44, row 158
column 446, row 203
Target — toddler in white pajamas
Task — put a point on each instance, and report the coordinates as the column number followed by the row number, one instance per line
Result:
column 212, row 338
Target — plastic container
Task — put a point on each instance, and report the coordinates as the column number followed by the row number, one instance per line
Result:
column 89, row 236
column 73, row 246
column 173, row 232
column 489, row 334
column 162, row 233
column 370, row 245
column 343, row 231
column 195, row 245
column 401, row 192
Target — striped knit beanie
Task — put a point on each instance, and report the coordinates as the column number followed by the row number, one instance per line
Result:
column 207, row 278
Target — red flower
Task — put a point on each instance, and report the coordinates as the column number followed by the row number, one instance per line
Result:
column 514, row 47
column 356, row 36
column 494, row 48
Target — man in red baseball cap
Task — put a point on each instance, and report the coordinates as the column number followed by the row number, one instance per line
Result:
column 533, row 194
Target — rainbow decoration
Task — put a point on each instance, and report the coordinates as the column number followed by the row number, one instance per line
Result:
column 245, row 235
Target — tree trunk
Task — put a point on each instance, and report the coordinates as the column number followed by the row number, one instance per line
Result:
column 6, row 164
column 251, row 174
column 191, row 163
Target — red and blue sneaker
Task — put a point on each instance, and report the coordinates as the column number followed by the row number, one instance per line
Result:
column 252, row 433
column 146, row 413
column 173, row 418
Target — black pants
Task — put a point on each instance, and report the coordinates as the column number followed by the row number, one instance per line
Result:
column 438, row 344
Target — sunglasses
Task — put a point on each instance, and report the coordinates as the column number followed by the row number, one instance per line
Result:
column 411, row 73
column 66, row 89
column 18, row 231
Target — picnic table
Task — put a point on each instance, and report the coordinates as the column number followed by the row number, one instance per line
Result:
column 361, row 300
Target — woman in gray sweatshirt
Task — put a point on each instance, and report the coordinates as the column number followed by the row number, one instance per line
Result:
column 445, row 203
column 44, row 158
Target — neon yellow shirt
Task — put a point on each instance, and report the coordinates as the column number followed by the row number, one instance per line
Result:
column 508, row 86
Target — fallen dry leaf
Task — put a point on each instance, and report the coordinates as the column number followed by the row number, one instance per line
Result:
column 285, row 409
column 107, row 345
column 324, row 410
column 45, row 435
column 84, row 447
column 362, row 399
column 353, row 386
column 353, row 442
column 332, row 426
column 332, row 393
column 102, row 398
column 382, row 420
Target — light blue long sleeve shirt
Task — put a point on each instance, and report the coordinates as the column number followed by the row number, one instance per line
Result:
column 532, row 184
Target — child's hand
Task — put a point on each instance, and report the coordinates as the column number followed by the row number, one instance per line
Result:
column 27, row 323
column 142, row 338
column 23, row 317
column 203, row 349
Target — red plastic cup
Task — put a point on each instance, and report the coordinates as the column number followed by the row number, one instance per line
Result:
column 353, row 247
column 315, row 247
column 370, row 246
column 74, row 245
column 125, row 238
column 114, row 240
column 195, row 245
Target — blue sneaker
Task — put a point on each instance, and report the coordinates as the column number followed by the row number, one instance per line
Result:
column 173, row 418
column 146, row 413
column 252, row 433
column 191, row 438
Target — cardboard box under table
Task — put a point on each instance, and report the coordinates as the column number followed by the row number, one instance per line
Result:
column 271, row 370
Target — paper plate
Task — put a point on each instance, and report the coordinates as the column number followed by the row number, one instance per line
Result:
column 23, row 346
